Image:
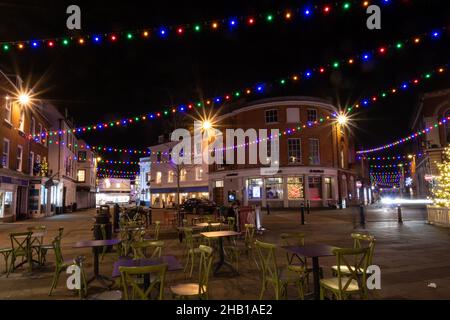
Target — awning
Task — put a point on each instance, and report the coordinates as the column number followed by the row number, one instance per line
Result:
column 182, row 189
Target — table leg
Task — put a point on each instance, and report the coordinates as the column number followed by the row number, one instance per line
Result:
column 222, row 261
column 97, row 276
column 316, row 277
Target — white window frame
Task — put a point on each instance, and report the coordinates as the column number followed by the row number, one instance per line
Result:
column 33, row 127
column 31, row 163
column 307, row 114
column 297, row 159
column 39, row 133
column 158, row 177
column 311, row 162
column 8, row 108
column 170, row 176
column 19, row 160
column 6, row 162
column 198, row 174
column 84, row 175
column 183, row 175
column 271, row 110
column 21, row 126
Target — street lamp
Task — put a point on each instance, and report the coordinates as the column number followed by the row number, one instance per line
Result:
column 342, row 119
column 206, row 125
column 24, row 98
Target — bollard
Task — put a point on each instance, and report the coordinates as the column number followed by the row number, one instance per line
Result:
column 302, row 213
column 308, row 207
column 268, row 209
column 399, row 214
column 362, row 218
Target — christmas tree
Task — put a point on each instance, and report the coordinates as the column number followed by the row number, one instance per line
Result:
column 441, row 190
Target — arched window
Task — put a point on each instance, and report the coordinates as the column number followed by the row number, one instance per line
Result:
column 447, row 126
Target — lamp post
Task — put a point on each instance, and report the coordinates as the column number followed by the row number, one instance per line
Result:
column 341, row 120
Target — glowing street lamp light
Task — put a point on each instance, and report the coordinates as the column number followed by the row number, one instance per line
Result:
column 206, row 125
column 24, row 98
column 342, row 119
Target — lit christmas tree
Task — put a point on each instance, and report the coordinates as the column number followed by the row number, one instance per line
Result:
column 441, row 190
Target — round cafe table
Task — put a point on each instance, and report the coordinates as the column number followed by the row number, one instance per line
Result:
column 96, row 244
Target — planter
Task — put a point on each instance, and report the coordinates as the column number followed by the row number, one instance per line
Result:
column 439, row 216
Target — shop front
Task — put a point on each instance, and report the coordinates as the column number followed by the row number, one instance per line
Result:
column 13, row 198
column 166, row 197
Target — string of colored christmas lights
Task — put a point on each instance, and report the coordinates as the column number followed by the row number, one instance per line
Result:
column 375, row 98
column 231, row 23
column 407, row 138
column 103, row 161
column 116, row 171
column 397, row 165
column 389, row 158
column 261, row 87
column 116, row 176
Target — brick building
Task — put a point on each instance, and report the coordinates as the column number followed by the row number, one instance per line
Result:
column 432, row 108
column 315, row 164
column 23, row 172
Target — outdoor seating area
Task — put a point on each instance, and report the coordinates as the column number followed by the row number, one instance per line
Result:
column 147, row 263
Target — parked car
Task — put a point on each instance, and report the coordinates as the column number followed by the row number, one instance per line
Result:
column 198, row 206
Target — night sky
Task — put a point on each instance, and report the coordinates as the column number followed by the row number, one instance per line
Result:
column 98, row 83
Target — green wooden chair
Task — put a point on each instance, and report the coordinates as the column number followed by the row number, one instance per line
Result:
column 238, row 248
column 360, row 240
column 46, row 247
column 155, row 232
column 279, row 278
column 191, row 251
column 200, row 289
column 37, row 242
column 61, row 265
column 347, row 284
column 20, row 248
column 297, row 263
column 6, row 252
column 231, row 223
column 133, row 282
column 140, row 249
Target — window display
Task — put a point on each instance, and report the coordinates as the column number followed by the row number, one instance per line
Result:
column 274, row 188
column 295, row 188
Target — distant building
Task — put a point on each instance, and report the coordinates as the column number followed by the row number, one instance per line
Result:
column 63, row 152
column 113, row 190
column 315, row 164
column 24, row 161
column 144, row 181
column 432, row 108
column 167, row 178
column 86, row 177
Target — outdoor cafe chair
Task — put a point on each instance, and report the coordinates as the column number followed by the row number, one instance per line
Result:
column 360, row 240
column 37, row 242
column 347, row 284
column 191, row 251
column 273, row 275
column 134, row 282
column 246, row 247
column 140, row 249
column 20, row 248
column 6, row 252
column 231, row 223
column 61, row 264
column 156, row 230
column 46, row 247
column 300, row 263
column 200, row 289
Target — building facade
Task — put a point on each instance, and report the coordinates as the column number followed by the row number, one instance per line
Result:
column 167, row 179
column 113, row 190
column 428, row 149
column 86, row 177
column 63, row 152
column 144, row 181
column 24, row 166
column 315, row 163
